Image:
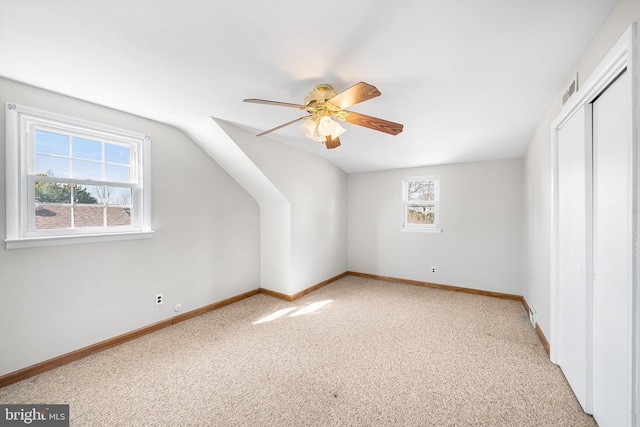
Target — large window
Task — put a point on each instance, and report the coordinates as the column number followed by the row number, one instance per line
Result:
column 74, row 181
column 420, row 198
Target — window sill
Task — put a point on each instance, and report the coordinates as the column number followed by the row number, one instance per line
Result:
column 422, row 230
column 34, row 242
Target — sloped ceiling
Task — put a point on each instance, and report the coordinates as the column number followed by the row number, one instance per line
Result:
column 468, row 79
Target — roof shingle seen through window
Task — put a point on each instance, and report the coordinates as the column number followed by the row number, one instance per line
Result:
column 57, row 216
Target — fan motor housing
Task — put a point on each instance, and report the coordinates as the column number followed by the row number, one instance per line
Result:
column 321, row 92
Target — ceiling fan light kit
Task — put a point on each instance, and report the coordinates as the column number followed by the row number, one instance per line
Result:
column 326, row 126
column 323, row 104
column 338, row 130
column 309, row 128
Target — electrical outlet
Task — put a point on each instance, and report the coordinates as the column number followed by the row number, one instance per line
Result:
column 159, row 299
column 532, row 315
column 433, row 270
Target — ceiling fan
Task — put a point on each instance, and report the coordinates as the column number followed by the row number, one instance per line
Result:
column 323, row 103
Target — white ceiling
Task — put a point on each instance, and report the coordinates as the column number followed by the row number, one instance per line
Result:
column 468, row 79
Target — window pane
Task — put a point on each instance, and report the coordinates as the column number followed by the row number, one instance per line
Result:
column 52, row 192
column 51, row 143
column 421, row 191
column 115, row 173
column 83, row 169
column 420, row 214
column 87, row 149
column 52, row 166
column 116, row 154
column 87, row 194
column 118, row 216
column 119, row 196
column 53, row 216
column 88, row 216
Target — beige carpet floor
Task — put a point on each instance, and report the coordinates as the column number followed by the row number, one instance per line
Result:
column 357, row 352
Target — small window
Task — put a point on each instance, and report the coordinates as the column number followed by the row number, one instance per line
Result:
column 420, row 198
column 72, row 181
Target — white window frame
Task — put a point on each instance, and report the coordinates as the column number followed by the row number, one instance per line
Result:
column 21, row 123
column 425, row 228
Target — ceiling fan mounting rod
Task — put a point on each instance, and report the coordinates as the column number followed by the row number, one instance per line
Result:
column 321, row 92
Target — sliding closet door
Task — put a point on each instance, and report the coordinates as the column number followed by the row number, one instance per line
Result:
column 595, row 265
column 574, row 177
column 613, row 254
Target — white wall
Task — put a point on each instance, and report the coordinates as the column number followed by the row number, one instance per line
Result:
column 275, row 209
column 537, row 172
column 317, row 193
column 480, row 213
column 205, row 249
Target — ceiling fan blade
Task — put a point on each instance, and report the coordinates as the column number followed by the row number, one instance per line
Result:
column 281, row 126
column 374, row 123
column 281, row 104
column 357, row 93
column 331, row 142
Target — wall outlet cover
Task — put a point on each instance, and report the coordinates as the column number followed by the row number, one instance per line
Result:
column 532, row 315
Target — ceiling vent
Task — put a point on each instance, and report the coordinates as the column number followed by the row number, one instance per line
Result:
column 573, row 88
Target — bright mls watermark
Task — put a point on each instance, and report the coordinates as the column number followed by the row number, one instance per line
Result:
column 34, row 415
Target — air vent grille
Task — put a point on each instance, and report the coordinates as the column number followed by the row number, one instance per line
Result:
column 573, row 88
